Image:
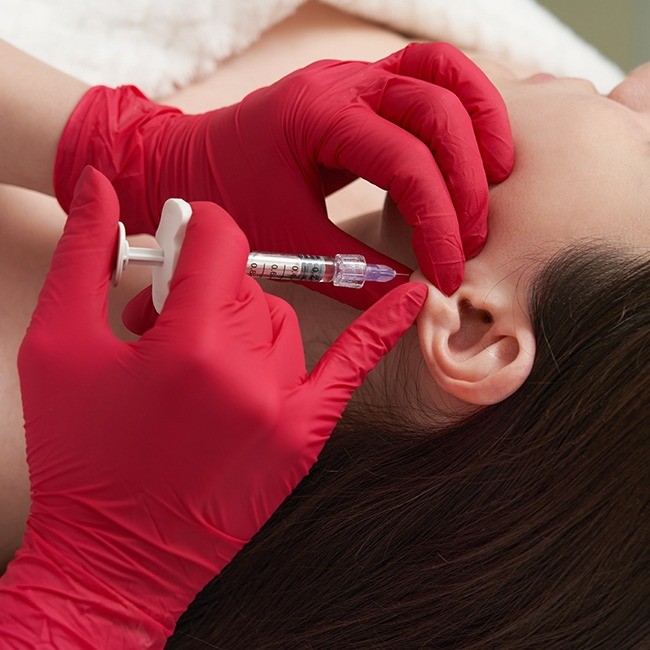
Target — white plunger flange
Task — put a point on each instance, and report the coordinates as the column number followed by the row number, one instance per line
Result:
column 170, row 234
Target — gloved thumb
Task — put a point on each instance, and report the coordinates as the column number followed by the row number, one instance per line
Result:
column 362, row 345
column 139, row 314
column 75, row 292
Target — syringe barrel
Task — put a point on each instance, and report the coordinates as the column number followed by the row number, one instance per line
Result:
column 348, row 270
column 275, row 266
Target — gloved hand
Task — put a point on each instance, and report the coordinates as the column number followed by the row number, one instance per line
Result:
column 153, row 462
column 424, row 123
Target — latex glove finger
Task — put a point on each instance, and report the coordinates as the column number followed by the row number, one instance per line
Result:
column 393, row 159
column 362, row 345
column 444, row 65
column 436, row 116
column 139, row 314
column 74, row 298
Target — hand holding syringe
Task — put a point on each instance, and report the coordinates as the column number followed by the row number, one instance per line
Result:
column 349, row 271
column 169, row 429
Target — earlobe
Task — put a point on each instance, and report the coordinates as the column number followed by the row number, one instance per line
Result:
column 477, row 348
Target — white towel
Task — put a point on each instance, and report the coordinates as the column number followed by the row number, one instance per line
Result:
column 160, row 45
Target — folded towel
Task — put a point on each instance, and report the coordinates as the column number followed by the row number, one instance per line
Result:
column 160, row 45
column 521, row 31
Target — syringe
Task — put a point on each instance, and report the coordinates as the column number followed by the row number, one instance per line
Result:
column 350, row 270
column 342, row 270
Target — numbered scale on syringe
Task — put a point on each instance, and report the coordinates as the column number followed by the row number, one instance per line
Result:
column 275, row 266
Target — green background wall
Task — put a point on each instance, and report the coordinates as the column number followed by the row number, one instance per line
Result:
column 620, row 29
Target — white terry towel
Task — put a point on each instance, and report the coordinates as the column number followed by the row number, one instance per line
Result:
column 160, row 45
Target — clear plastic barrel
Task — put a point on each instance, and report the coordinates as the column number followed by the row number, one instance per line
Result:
column 276, row 266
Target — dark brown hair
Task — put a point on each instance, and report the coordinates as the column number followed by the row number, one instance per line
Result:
column 522, row 526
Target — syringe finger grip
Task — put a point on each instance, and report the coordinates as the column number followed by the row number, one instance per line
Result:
column 175, row 216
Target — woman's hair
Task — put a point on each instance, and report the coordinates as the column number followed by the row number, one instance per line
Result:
column 522, row 526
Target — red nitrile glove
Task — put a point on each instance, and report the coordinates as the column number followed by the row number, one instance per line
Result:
column 424, row 123
column 153, row 462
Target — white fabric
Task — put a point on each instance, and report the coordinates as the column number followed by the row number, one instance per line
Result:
column 160, row 45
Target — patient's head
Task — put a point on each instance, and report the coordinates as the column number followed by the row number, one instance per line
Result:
column 582, row 174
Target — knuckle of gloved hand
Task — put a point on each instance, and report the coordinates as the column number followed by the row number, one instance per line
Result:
column 411, row 167
column 442, row 49
column 438, row 53
column 234, row 239
column 447, row 114
column 316, row 80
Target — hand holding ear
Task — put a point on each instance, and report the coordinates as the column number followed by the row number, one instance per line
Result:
column 153, row 462
column 424, row 123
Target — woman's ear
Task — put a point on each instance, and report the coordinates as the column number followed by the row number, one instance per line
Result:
column 478, row 345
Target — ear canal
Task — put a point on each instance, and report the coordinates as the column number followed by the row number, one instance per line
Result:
column 477, row 350
column 476, row 336
column 474, row 326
